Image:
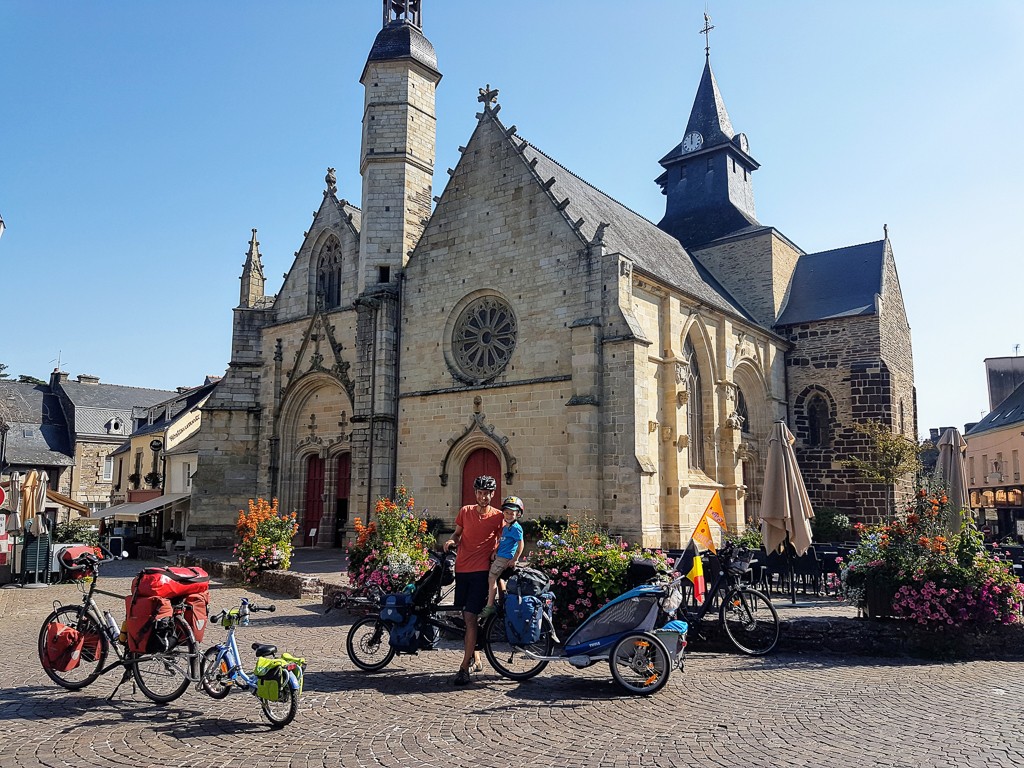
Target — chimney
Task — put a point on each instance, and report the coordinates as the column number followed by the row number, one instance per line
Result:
column 87, row 378
column 934, row 434
column 58, row 377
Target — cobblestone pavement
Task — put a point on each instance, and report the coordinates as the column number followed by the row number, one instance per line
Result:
column 723, row 710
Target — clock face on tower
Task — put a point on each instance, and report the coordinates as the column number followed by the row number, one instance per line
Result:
column 692, row 142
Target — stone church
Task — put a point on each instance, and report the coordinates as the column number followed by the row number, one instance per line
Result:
column 525, row 324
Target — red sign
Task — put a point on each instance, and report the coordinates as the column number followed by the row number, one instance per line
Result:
column 3, row 495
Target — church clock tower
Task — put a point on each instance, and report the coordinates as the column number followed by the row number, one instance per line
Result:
column 707, row 177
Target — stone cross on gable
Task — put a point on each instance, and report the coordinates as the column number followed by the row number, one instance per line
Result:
column 488, row 96
column 312, row 425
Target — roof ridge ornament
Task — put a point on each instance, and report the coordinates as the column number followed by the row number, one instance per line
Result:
column 708, row 26
column 487, row 97
column 332, row 183
column 403, row 10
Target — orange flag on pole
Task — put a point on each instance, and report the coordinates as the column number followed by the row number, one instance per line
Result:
column 715, row 512
column 702, row 534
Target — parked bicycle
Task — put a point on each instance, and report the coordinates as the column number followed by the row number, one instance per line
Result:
column 276, row 682
column 75, row 640
column 410, row 621
column 362, row 600
column 747, row 615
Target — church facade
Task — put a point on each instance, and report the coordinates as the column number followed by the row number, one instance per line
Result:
column 525, row 324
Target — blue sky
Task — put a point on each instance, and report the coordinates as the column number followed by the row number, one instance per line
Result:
column 142, row 141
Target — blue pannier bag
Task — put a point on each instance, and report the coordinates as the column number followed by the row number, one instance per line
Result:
column 405, row 637
column 397, row 607
column 524, row 616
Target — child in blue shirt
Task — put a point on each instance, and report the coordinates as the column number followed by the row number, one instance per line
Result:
column 510, row 548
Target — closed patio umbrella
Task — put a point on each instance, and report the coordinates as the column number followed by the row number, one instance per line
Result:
column 950, row 467
column 14, row 523
column 785, row 506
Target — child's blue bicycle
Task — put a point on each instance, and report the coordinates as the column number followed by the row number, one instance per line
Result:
column 276, row 682
column 621, row 632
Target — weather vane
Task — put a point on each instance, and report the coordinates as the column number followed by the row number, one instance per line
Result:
column 707, row 35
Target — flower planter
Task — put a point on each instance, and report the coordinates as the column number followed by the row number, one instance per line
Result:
column 878, row 601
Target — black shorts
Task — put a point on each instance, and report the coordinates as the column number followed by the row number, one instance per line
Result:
column 471, row 591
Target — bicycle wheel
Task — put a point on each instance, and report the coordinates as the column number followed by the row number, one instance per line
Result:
column 367, row 644
column 163, row 677
column 213, row 676
column 510, row 660
column 641, row 664
column 93, row 653
column 282, row 711
column 750, row 620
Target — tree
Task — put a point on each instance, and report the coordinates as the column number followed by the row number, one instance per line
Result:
column 3, row 371
column 889, row 458
column 26, row 379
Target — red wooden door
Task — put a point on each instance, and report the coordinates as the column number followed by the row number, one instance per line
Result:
column 341, row 496
column 480, row 462
column 314, row 497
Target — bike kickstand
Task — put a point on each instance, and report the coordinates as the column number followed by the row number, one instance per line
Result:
column 127, row 674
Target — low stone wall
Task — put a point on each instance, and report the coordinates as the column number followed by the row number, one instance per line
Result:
column 876, row 637
column 283, row 583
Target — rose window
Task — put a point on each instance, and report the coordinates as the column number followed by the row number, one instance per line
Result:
column 484, row 338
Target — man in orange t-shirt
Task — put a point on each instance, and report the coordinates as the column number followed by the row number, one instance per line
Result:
column 477, row 528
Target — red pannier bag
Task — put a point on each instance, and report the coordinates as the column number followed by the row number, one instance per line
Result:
column 142, row 614
column 75, row 572
column 63, row 647
column 170, row 582
column 197, row 609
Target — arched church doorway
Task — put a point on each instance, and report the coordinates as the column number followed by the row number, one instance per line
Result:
column 480, row 462
column 314, row 498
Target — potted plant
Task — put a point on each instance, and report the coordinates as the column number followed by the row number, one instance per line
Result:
column 153, row 479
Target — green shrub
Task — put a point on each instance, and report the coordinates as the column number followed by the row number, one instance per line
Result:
column 829, row 524
column 749, row 538
column 77, row 532
column 534, row 527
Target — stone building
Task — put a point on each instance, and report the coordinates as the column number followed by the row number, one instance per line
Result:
column 531, row 327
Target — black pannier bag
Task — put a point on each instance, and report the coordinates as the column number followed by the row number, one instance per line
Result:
column 528, row 582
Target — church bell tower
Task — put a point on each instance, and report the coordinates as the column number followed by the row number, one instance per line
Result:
column 398, row 146
column 707, row 177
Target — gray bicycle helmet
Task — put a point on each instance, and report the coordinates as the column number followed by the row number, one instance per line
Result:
column 485, row 483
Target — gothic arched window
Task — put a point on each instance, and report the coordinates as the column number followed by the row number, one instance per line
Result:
column 694, row 408
column 741, row 410
column 328, row 275
column 817, row 421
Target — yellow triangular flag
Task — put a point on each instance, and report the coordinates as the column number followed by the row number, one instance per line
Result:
column 702, row 534
column 715, row 512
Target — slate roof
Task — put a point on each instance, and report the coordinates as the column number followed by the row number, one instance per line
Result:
column 1007, row 414
column 652, row 250
column 839, row 283
column 401, row 40
column 708, row 115
column 38, row 434
column 112, row 396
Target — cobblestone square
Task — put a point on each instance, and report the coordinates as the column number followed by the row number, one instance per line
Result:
column 723, row 710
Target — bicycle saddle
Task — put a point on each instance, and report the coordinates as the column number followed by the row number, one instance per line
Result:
column 264, row 650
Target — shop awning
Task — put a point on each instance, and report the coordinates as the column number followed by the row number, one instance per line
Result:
column 131, row 511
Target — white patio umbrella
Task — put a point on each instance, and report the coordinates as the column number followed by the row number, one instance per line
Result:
column 950, row 467
column 785, row 506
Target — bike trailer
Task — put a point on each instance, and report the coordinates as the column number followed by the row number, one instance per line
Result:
column 528, row 582
column 170, row 582
column 673, row 635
